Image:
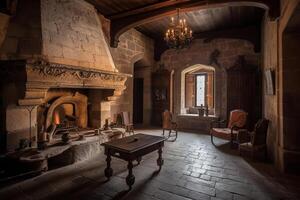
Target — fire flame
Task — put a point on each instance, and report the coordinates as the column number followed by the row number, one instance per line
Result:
column 56, row 118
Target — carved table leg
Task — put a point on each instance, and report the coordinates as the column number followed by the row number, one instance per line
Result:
column 130, row 178
column 160, row 161
column 139, row 159
column 108, row 170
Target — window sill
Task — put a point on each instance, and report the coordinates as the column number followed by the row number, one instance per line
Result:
column 209, row 117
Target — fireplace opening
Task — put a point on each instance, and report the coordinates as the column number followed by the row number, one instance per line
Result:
column 64, row 115
column 77, row 112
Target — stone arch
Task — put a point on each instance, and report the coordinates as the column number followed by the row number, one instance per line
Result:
column 136, row 58
column 80, row 103
column 220, row 86
column 183, row 86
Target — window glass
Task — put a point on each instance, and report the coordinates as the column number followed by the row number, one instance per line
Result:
column 200, row 90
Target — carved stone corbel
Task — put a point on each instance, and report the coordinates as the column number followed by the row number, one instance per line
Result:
column 116, row 94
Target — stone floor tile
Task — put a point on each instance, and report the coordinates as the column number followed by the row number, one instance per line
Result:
column 205, row 177
column 234, row 188
column 163, row 195
column 201, row 188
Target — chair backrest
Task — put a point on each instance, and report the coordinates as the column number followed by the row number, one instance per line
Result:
column 126, row 118
column 167, row 119
column 237, row 118
column 260, row 132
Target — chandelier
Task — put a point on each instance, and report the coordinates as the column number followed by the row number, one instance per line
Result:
column 179, row 34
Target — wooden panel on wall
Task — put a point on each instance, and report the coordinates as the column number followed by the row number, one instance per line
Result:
column 244, row 90
column 189, row 90
column 160, row 95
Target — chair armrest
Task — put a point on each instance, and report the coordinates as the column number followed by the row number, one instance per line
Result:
column 243, row 136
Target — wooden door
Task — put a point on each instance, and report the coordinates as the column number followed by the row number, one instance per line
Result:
column 138, row 100
column 244, row 91
column 160, row 95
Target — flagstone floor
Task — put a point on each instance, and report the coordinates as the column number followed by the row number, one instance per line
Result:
column 193, row 169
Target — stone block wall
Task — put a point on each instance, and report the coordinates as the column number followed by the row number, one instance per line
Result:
column 282, row 134
column 201, row 53
column 23, row 38
column 145, row 73
column 133, row 47
column 270, row 102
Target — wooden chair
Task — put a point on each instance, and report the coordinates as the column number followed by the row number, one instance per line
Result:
column 127, row 123
column 256, row 140
column 237, row 120
column 169, row 125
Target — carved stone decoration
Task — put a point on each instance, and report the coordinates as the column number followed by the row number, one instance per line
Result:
column 83, row 74
column 42, row 75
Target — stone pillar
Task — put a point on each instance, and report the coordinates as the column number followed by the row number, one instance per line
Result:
column 105, row 112
column 95, row 97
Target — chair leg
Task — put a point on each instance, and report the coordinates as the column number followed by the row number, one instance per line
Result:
column 211, row 138
column 163, row 132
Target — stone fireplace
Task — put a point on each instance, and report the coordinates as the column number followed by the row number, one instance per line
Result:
column 59, row 75
column 51, row 98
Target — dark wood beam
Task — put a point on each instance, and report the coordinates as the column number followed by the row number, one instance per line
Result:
column 251, row 34
column 148, row 8
column 130, row 19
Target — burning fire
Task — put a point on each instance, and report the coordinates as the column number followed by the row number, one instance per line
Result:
column 56, row 118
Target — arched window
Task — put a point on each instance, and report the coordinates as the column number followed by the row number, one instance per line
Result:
column 199, row 84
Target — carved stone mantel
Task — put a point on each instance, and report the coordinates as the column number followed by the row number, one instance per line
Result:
column 42, row 75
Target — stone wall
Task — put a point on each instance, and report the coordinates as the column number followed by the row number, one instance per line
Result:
column 220, row 54
column 270, row 102
column 273, row 51
column 133, row 47
column 145, row 73
column 23, row 38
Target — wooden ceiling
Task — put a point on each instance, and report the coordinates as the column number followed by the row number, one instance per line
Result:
column 207, row 20
column 199, row 20
column 112, row 7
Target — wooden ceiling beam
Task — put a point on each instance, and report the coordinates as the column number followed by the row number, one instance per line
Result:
column 130, row 19
column 147, row 8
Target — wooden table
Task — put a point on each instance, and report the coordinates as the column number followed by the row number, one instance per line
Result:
column 132, row 148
